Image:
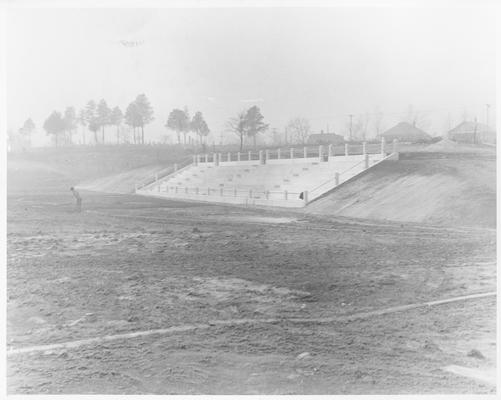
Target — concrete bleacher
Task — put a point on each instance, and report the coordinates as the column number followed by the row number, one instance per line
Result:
column 262, row 179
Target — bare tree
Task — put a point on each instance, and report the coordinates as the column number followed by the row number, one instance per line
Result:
column 239, row 126
column 299, row 129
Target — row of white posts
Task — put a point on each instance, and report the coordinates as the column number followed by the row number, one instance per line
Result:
column 211, row 191
column 217, row 158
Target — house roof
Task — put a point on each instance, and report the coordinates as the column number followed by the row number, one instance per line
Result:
column 405, row 132
column 470, row 127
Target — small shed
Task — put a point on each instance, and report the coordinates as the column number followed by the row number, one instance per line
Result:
column 472, row 132
column 406, row 133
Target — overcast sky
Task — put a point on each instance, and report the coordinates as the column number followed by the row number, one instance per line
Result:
column 317, row 63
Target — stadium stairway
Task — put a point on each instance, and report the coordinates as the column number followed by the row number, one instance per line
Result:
column 287, row 182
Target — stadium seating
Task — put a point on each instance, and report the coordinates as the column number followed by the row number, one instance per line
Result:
column 285, row 183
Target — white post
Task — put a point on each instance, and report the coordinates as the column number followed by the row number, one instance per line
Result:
column 220, row 156
column 366, row 159
column 330, row 151
column 238, row 156
column 278, row 154
column 249, row 156
column 383, row 142
column 364, row 148
column 336, row 175
column 320, row 153
column 229, row 156
column 292, row 152
column 305, row 152
column 214, row 158
column 346, row 149
column 206, row 158
column 260, row 156
column 267, row 153
column 305, row 196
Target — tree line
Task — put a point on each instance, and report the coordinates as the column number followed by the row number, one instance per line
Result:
column 180, row 122
column 96, row 117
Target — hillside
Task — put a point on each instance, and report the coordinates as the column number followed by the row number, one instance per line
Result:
column 436, row 188
column 91, row 162
column 124, row 182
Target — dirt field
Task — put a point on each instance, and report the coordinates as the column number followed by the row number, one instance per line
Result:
column 264, row 298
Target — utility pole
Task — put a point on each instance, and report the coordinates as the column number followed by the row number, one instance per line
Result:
column 351, row 126
column 487, row 106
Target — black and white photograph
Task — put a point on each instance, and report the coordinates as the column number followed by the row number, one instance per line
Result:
column 249, row 197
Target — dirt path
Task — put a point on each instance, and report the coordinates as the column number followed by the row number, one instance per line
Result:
column 187, row 328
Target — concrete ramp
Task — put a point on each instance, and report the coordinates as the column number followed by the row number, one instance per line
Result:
column 456, row 189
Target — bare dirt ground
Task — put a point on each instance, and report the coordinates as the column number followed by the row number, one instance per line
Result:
column 129, row 263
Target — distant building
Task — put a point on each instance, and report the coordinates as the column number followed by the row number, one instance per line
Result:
column 325, row 138
column 472, row 132
column 406, row 133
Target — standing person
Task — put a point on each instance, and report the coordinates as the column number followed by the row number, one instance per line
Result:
column 78, row 199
